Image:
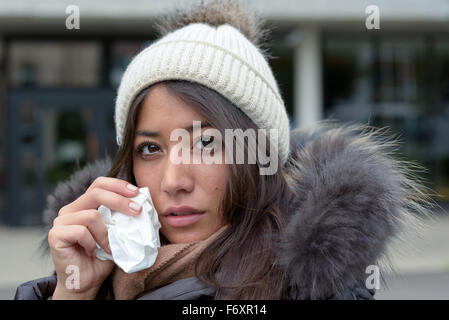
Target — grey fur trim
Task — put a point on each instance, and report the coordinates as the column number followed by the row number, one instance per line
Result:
column 351, row 198
column 69, row 190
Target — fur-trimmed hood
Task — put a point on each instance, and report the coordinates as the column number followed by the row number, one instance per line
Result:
column 351, row 197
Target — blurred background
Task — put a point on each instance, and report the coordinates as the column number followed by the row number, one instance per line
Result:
column 58, row 86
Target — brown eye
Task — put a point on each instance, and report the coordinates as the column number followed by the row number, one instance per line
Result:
column 204, row 142
column 147, row 149
column 207, row 140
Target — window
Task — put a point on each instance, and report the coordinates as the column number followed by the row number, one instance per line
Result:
column 397, row 82
column 54, row 64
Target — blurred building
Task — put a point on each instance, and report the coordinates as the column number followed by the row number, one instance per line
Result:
column 58, row 85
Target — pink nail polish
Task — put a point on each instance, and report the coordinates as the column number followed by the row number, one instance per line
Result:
column 131, row 187
column 135, row 206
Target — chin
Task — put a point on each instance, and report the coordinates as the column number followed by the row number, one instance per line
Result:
column 178, row 236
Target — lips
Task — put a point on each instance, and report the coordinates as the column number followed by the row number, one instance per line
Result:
column 182, row 216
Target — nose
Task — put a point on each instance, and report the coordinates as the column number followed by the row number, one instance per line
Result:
column 177, row 178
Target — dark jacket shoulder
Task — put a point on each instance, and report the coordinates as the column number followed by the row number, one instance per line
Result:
column 38, row 289
column 183, row 289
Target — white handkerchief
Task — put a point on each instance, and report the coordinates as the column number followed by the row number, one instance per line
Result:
column 135, row 240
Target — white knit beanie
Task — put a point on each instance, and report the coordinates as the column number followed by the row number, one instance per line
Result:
column 220, row 58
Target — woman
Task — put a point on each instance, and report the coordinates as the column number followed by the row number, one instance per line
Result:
column 231, row 229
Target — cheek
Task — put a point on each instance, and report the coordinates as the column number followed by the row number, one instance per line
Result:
column 145, row 176
column 217, row 178
column 218, row 188
column 148, row 177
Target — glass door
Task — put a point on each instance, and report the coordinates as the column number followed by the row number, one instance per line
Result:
column 51, row 133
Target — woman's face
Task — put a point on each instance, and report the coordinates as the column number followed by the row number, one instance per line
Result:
column 177, row 187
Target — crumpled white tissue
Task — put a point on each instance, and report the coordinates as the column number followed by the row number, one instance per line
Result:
column 134, row 240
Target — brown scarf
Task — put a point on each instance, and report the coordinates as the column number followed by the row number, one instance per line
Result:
column 173, row 262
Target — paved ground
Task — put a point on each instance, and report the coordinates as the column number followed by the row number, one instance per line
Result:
column 416, row 286
column 21, row 258
column 423, row 262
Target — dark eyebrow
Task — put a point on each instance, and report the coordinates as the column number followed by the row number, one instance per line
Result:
column 147, row 133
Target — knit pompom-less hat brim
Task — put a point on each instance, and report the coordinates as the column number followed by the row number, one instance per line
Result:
column 220, row 58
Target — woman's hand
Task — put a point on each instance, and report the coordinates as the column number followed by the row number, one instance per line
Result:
column 77, row 228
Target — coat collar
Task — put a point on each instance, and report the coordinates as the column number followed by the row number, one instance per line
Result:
column 351, row 197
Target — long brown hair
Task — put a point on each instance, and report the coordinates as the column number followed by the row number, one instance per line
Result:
column 240, row 263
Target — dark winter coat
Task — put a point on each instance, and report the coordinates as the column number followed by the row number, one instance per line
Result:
column 351, row 198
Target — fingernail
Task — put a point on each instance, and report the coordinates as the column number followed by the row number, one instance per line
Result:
column 135, row 206
column 131, row 187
